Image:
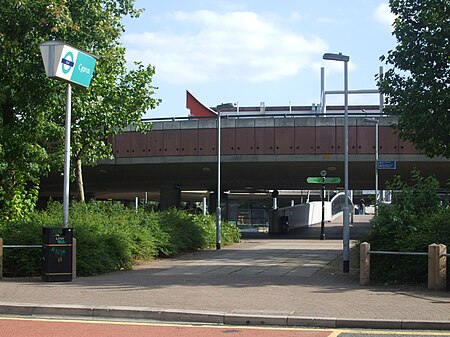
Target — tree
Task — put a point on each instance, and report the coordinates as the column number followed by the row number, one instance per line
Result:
column 117, row 100
column 32, row 106
column 417, row 88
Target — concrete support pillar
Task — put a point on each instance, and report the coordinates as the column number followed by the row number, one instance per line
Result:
column 170, row 196
column 364, row 264
column 437, row 267
column 212, row 203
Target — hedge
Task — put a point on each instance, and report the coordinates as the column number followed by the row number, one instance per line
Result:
column 111, row 237
column 416, row 218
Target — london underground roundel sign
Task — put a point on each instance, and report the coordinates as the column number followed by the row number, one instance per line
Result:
column 67, row 63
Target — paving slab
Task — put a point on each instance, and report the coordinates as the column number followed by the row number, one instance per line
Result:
column 262, row 280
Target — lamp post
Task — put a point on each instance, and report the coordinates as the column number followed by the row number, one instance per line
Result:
column 323, row 174
column 376, row 122
column 219, row 108
column 346, row 227
column 72, row 66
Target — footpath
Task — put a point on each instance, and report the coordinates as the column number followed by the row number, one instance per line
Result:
column 291, row 280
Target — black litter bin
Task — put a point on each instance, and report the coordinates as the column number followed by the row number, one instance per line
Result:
column 57, row 254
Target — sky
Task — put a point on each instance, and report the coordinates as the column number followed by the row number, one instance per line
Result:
column 252, row 51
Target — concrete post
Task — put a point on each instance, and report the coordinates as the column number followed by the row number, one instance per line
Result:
column 364, row 264
column 205, row 205
column 1, row 258
column 437, row 267
column 74, row 258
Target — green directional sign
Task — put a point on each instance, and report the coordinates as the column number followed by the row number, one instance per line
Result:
column 323, row 180
column 332, row 180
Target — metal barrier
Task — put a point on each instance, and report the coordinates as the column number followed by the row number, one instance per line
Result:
column 377, row 252
column 266, row 115
column 2, row 246
column 22, row 246
column 437, row 264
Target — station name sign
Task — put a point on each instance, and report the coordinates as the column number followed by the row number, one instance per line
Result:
column 67, row 63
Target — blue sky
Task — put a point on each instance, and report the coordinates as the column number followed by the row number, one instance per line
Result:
column 253, row 51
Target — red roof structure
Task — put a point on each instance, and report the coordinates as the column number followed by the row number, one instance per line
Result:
column 197, row 108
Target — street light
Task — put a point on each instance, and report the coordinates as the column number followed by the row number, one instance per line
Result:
column 376, row 122
column 219, row 209
column 67, row 64
column 346, row 227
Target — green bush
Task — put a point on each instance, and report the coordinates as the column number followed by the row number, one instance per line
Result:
column 181, row 232
column 21, row 261
column 111, row 237
column 415, row 219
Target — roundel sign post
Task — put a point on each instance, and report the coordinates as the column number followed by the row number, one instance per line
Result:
column 68, row 64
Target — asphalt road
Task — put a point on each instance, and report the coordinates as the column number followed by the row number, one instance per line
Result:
column 26, row 327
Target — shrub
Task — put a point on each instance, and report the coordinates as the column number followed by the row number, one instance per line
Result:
column 111, row 237
column 181, row 231
column 415, row 219
column 21, row 261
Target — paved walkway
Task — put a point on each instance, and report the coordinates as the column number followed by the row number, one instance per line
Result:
column 284, row 280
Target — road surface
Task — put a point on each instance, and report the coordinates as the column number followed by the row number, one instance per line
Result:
column 26, row 327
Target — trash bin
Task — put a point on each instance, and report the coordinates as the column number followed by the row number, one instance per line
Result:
column 284, row 224
column 57, row 254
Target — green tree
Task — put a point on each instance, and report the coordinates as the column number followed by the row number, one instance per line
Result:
column 32, row 106
column 417, row 88
column 24, row 103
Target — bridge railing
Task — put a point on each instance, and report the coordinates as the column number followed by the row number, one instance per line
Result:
column 267, row 115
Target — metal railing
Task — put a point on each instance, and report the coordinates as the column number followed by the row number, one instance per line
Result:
column 273, row 115
column 377, row 252
column 437, row 263
column 2, row 247
column 22, row 246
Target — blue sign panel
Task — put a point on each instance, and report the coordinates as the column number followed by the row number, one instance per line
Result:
column 386, row 164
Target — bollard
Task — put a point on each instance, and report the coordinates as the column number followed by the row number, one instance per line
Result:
column 437, row 267
column 74, row 258
column 1, row 258
column 364, row 264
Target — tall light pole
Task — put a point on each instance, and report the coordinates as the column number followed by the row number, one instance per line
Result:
column 219, row 108
column 68, row 64
column 376, row 122
column 346, row 227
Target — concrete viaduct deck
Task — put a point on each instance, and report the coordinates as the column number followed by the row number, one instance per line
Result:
column 257, row 154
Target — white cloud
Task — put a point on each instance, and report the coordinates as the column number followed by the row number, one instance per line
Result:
column 295, row 17
column 206, row 45
column 383, row 15
column 327, row 20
